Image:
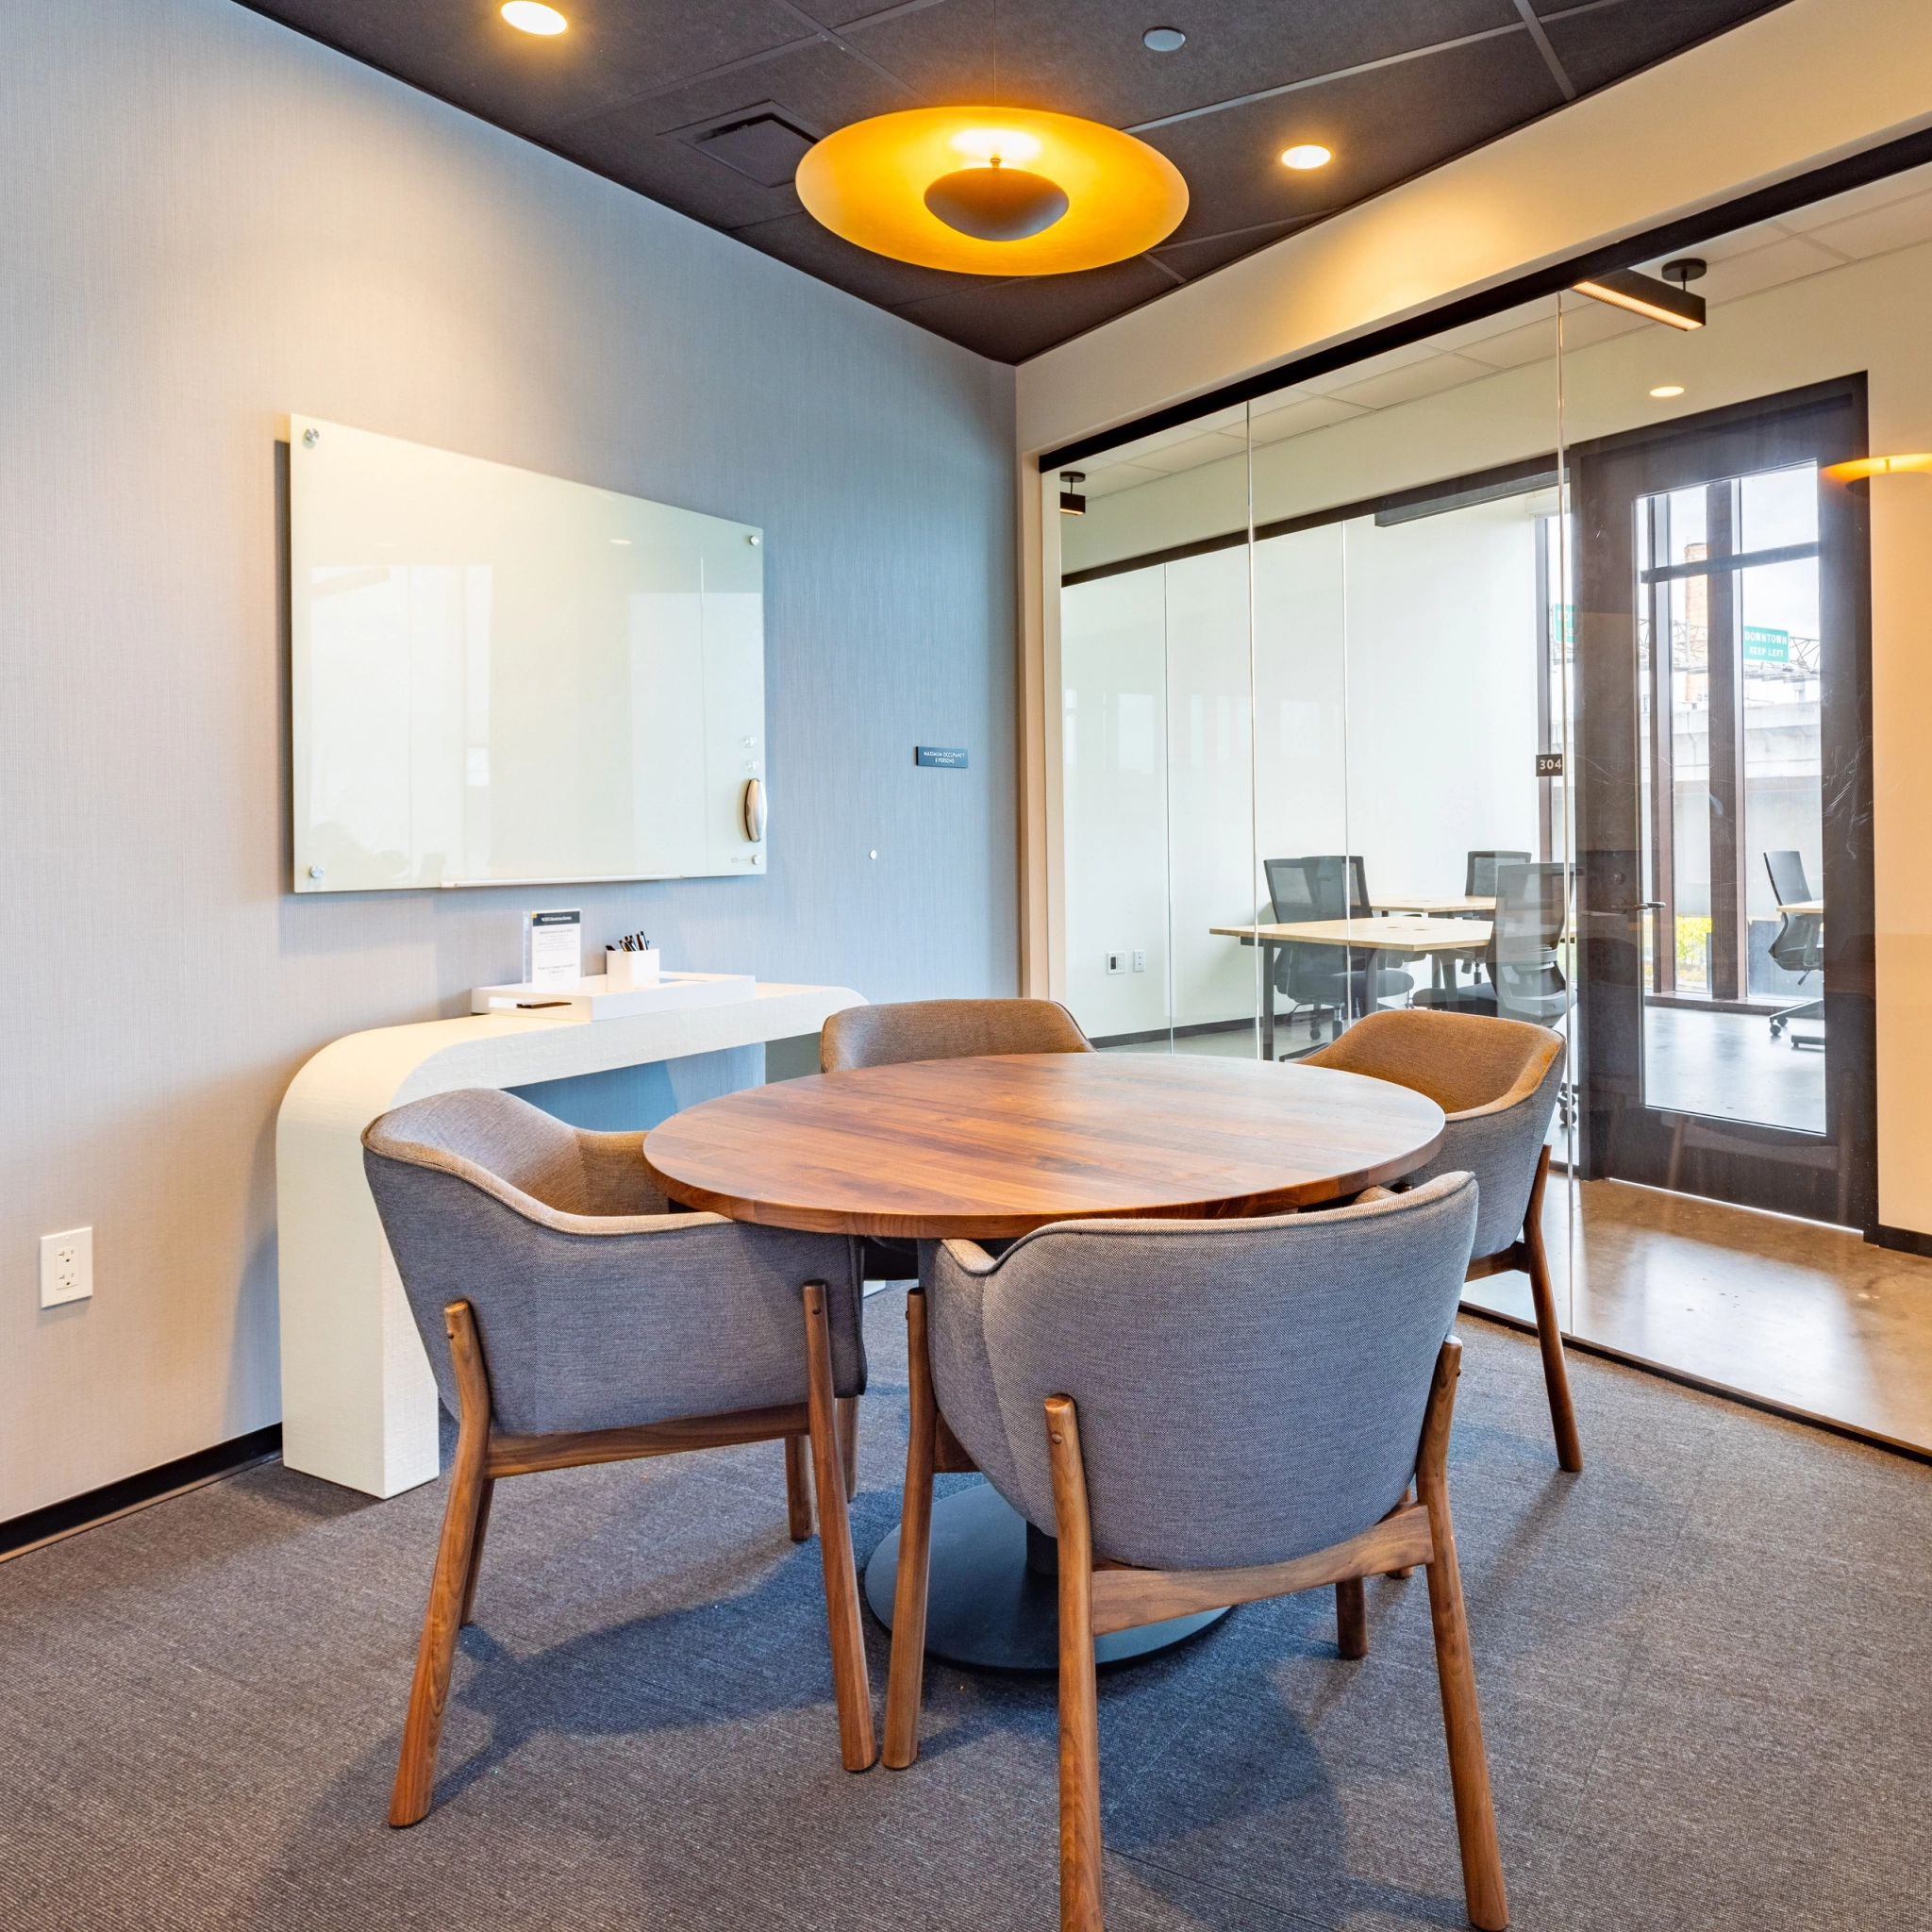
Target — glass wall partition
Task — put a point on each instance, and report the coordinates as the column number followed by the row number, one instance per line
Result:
column 1527, row 670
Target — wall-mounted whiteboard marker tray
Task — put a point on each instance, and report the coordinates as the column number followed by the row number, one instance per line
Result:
column 589, row 1000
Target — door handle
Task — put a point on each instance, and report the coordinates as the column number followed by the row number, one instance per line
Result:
column 1640, row 905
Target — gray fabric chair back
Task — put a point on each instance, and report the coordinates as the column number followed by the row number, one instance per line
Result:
column 1249, row 1391
column 1498, row 1080
column 946, row 1030
column 597, row 1307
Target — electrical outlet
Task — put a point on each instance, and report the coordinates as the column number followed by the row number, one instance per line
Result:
column 1116, row 962
column 1140, row 963
column 67, row 1267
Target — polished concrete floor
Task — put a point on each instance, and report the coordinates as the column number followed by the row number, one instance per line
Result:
column 1813, row 1319
column 1727, row 1066
column 1809, row 1318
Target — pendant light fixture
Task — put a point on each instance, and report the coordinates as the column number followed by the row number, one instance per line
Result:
column 993, row 190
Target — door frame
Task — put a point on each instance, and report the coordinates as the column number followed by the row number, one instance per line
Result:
column 1621, row 1137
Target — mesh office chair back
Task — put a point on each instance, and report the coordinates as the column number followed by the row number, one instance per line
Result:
column 1526, row 930
column 1798, row 945
column 1288, row 887
column 1787, row 882
column 1479, row 875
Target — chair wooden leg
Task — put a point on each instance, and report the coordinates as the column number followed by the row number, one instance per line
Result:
column 798, row 1487
column 1408, row 1570
column 1079, row 1704
column 1350, row 1618
column 1549, row 1334
column 482, row 1530
column 1469, row 1768
column 850, row 1683
column 848, row 1443
column 451, row 1583
column 906, row 1682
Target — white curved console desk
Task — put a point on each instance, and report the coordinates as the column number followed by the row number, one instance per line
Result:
column 359, row 1405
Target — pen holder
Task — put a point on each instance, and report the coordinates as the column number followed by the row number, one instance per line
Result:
column 626, row 972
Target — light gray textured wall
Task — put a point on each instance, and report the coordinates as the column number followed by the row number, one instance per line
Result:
column 210, row 222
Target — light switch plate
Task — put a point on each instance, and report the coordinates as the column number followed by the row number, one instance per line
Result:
column 67, row 1267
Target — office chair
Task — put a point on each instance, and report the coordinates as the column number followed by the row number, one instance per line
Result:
column 1185, row 1459
column 570, row 1317
column 1498, row 1081
column 1525, row 976
column 1479, row 875
column 1324, row 978
column 1798, row 945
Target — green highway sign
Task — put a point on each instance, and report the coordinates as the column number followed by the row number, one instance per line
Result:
column 1762, row 646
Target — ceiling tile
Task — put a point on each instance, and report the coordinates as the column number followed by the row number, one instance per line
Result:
column 1086, row 57
column 1879, row 230
column 1382, row 126
column 1367, row 366
column 1296, row 415
column 1191, row 453
column 1783, row 261
column 625, row 89
column 1427, row 377
column 1608, row 42
column 1011, row 320
column 1862, row 200
column 1115, row 477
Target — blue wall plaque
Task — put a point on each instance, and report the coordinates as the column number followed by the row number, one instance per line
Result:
column 950, row 757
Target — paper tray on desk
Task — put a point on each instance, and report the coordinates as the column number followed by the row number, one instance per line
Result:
column 587, row 1000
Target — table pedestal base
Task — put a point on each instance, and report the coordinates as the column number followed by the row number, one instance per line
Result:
column 988, row 1603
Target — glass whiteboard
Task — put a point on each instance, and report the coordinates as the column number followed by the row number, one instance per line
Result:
column 503, row 677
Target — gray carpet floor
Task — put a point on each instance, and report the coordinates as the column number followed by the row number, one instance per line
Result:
column 1704, row 1668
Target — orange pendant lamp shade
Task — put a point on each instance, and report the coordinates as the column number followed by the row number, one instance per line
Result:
column 993, row 190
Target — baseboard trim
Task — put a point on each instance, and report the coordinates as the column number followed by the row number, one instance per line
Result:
column 1105, row 1039
column 1685, row 1380
column 39, row 1527
column 1902, row 1241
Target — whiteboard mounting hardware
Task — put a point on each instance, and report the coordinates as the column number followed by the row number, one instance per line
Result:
column 752, row 809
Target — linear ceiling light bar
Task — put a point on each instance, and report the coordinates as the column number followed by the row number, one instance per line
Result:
column 1645, row 295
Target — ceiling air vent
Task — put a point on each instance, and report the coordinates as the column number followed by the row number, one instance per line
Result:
column 762, row 144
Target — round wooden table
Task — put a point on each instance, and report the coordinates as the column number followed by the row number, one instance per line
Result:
column 991, row 1148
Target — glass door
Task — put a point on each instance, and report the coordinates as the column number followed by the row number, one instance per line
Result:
column 1725, row 808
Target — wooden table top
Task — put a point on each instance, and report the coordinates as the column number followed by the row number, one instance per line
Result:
column 991, row 1147
column 1401, row 932
column 1421, row 901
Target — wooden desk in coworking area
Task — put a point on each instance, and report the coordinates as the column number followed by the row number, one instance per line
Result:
column 1404, row 933
column 991, row 1148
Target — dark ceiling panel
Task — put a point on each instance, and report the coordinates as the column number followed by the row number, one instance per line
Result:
column 1603, row 44
column 1019, row 319
column 1086, row 57
column 461, row 51
column 1393, row 86
column 799, row 240
column 1383, row 126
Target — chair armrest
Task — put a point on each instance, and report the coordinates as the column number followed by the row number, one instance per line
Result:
column 971, row 1257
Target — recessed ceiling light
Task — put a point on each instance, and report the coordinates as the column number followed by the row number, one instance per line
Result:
column 1668, row 389
column 1310, row 154
column 1164, row 40
column 532, row 17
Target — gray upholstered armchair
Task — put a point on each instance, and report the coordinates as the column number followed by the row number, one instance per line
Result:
column 1203, row 1413
column 570, row 1317
column 1498, row 1081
